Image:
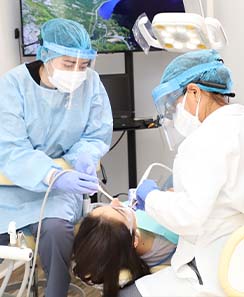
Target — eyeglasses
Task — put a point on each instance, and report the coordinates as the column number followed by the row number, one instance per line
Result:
column 127, row 213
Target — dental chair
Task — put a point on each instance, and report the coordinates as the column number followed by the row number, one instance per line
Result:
column 225, row 263
column 125, row 277
column 20, row 253
column 224, row 268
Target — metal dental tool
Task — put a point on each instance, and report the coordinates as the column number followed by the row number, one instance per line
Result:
column 132, row 192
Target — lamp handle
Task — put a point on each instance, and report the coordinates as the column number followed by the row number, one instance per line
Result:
column 145, row 33
column 216, row 33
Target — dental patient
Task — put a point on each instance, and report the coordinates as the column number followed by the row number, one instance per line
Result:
column 110, row 240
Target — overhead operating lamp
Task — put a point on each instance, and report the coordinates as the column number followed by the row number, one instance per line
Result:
column 179, row 32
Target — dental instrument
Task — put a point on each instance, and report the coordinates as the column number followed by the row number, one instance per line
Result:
column 105, row 193
column 132, row 192
column 18, row 251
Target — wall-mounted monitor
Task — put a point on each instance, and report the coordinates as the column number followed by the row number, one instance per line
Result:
column 119, row 89
column 108, row 23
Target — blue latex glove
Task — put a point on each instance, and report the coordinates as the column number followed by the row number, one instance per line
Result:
column 143, row 190
column 77, row 183
column 85, row 164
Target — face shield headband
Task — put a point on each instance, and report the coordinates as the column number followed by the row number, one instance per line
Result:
column 89, row 54
column 166, row 94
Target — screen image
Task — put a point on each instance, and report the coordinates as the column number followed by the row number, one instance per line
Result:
column 109, row 23
column 118, row 87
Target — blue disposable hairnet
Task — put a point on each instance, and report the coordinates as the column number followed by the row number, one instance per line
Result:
column 200, row 66
column 204, row 67
column 62, row 37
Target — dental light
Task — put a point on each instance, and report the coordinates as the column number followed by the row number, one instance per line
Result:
column 179, row 32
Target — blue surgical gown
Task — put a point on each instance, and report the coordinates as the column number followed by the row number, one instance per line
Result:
column 35, row 128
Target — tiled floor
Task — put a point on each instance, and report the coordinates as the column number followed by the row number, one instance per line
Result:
column 89, row 292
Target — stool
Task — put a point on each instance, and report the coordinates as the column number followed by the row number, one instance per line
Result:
column 13, row 264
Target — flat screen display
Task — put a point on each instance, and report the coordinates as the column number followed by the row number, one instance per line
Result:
column 108, row 23
column 118, row 87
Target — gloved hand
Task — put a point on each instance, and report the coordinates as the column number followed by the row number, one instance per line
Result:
column 143, row 190
column 85, row 164
column 77, row 183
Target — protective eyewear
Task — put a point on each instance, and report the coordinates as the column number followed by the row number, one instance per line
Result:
column 166, row 93
column 128, row 214
column 89, row 54
column 166, row 101
column 165, row 96
column 166, row 104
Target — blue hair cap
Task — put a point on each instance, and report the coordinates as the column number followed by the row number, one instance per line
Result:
column 63, row 37
column 200, row 66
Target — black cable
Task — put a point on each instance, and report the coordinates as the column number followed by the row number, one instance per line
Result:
column 38, row 41
column 112, row 147
column 104, row 175
column 120, row 194
column 20, row 49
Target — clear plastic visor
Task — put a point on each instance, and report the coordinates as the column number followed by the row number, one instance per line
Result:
column 69, row 63
column 67, row 74
column 88, row 53
column 165, row 100
column 169, row 134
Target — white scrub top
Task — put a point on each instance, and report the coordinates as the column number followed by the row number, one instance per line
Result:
column 206, row 207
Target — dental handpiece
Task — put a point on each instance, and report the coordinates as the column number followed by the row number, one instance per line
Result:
column 132, row 192
column 100, row 189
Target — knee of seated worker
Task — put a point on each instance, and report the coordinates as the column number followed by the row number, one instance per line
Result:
column 57, row 230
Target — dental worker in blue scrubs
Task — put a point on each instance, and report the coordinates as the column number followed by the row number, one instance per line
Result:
column 55, row 107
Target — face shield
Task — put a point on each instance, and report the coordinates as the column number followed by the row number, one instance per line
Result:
column 67, row 71
column 204, row 68
column 165, row 97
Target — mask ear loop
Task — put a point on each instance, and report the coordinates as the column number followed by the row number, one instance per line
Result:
column 46, row 69
column 184, row 100
column 197, row 109
column 198, row 105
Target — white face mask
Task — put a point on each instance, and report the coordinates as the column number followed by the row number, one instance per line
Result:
column 184, row 122
column 67, row 81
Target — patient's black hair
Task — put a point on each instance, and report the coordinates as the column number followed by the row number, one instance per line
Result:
column 102, row 248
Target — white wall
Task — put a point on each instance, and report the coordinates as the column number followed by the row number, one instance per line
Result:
column 230, row 14
column 147, row 73
column 9, row 46
column 147, row 70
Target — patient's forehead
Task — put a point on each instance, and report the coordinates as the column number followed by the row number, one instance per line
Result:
column 116, row 211
column 109, row 212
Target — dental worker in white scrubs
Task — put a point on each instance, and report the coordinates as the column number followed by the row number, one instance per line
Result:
column 207, row 203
